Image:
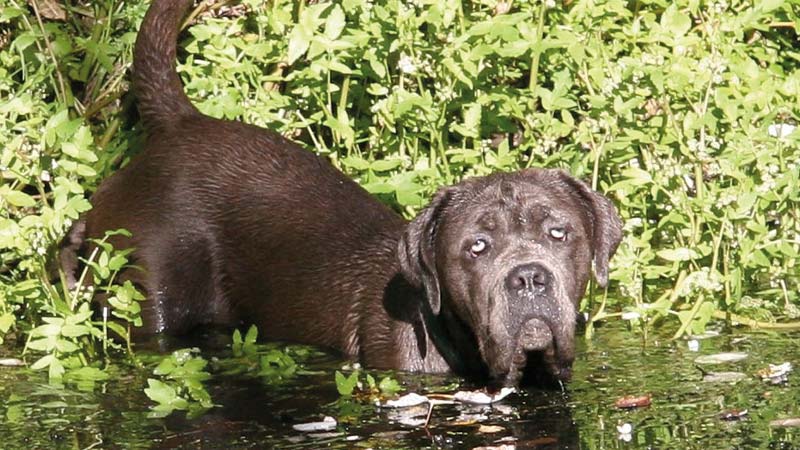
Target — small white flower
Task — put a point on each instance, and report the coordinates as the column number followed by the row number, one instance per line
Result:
column 780, row 130
column 693, row 344
column 634, row 222
column 625, row 428
column 45, row 176
column 406, row 65
column 550, row 3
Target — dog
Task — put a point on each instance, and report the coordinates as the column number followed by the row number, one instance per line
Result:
column 232, row 223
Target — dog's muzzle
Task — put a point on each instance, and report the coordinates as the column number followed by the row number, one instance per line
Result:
column 542, row 323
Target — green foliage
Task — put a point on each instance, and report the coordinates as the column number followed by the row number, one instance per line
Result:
column 180, row 384
column 682, row 112
column 350, row 385
column 69, row 333
column 61, row 82
column 264, row 361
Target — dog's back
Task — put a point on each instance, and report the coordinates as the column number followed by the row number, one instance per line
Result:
column 231, row 221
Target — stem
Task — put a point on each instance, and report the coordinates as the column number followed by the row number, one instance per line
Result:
column 61, row 93
column 695, row 308
column 755, row 324
column 534, row 75
column 79, row 284
column 341, row 110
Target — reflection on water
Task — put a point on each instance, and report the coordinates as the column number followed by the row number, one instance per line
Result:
column 725, row 411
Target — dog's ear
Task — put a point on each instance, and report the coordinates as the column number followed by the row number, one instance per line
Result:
column 607, row 235
column 416, row 249
column 607, row 232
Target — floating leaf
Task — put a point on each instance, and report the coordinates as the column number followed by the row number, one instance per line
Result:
column 11, row 362
column 721, row 358
column 327, row 424
column 482, row 397
column 724, row 377
column 406, row 401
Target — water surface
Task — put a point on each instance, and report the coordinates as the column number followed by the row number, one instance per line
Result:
column 686, row 411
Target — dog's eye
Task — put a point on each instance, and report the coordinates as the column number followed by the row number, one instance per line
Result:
column 478, row 247
column 558, row 234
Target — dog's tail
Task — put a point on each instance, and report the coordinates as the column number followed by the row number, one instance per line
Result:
column 156, row 83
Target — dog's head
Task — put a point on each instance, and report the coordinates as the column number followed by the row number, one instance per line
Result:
column 509, row 255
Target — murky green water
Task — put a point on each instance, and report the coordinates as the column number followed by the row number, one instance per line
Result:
column 686, row 411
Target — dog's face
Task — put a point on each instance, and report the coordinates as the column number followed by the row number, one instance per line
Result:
column 510, row 255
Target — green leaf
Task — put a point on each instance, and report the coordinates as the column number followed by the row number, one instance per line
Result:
column 385, row 165
column 43, row 362
column 7, row 320
column 389, row 386
column 160, row 392
column 252, row 335
column 298, row 44
column 19, row 199
column 770, row 5
column 88, row 374
column 675, row 21
column 166, row 366
column 346, row 385
column 74, row 330
column 678, row 254
column 49, row 330
column 56, row 371
column 334, row 23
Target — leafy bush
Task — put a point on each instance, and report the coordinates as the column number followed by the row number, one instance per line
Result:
column 682, row 112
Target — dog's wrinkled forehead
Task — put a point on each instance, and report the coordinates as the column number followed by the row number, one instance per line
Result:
column 522, row 199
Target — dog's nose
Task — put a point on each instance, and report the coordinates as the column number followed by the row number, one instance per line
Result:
column 528, row 277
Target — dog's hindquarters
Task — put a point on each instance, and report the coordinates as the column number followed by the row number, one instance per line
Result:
column 157, row 86
column 71, row 247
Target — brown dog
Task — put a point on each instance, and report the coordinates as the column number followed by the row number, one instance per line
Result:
column 232, row 223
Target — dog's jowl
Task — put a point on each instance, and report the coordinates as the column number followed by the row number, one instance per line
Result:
column 233, row 224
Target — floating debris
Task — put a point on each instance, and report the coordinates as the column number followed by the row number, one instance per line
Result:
column 776, row 373
column 724, row 377
column 411, row 416
column 407, row 401
column 469, row 419
column 721, row 358
column 633, row 401
column 792, row 422
column 497, row 447
column 11, row 362
column 490, row 429
column 733, row 414
column 327, row 424
column 482, row 397
column 325, row 435
column 707, row 335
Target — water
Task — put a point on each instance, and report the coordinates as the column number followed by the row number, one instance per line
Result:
column 686, row 412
